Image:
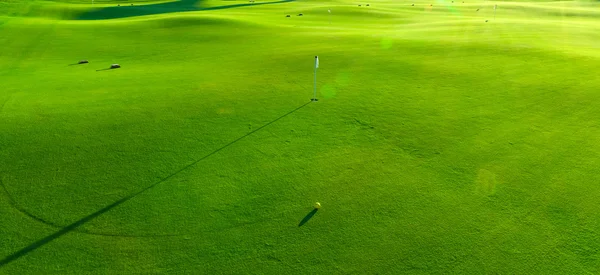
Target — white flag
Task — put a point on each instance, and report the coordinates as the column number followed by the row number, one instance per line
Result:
column 316, row 62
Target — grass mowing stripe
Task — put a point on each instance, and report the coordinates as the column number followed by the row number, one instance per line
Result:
column 4, row 104
column 13, row 203
column 75, row 225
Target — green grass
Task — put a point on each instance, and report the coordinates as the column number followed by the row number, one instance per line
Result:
column 440, row 143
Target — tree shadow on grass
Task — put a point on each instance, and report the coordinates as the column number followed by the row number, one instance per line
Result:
column 124, row 11
column 308, row 217
column 69, row 228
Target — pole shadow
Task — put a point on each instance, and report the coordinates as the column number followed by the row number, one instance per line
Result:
column 71, row 227
column 308, row 217
column 115, row 12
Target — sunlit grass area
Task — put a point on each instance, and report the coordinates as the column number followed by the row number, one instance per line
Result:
column 449, row 137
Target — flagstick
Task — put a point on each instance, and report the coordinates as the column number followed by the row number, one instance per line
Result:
column 315, row 86
column 495, row 7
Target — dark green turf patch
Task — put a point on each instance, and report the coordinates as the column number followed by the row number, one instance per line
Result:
column 161, row 8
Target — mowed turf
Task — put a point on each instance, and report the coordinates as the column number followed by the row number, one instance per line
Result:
column 440, row 143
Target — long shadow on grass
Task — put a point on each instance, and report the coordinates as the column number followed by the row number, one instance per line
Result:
column 160, row 8
column 308, row 217
column 39, row 243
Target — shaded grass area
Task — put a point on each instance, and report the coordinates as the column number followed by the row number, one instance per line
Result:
column 308, row 216
column 160, row 8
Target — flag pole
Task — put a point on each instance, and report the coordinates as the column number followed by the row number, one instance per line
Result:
column 315, row 85
column 495, row 7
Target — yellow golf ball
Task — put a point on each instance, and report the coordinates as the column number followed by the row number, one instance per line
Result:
column 317, row 205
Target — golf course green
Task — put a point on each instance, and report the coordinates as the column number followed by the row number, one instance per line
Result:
column 449, row 137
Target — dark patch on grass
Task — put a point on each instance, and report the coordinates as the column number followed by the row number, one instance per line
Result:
column 160, row 8
column 81, row 62
column 308, row 217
